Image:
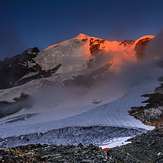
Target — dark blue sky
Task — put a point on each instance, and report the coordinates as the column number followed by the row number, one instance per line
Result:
column 28, row 23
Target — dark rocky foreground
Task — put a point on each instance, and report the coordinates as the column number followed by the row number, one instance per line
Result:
column 146, row 147
column 53, row 153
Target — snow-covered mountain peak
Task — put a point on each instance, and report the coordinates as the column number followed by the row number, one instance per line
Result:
column 80, row 55
column 81, row 36
column 143, row 38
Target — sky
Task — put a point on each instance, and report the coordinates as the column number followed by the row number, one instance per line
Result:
column 40, row 23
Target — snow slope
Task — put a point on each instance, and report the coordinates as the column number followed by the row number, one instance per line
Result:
column 112, row 114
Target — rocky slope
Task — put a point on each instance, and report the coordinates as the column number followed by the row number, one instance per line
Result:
column 58, row 154
column 147, row 147
column 22, row 68
column 152, row 113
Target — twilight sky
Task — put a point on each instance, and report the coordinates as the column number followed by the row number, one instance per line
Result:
column 40, row 23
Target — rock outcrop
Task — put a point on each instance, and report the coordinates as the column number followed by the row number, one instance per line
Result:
column 152, row 113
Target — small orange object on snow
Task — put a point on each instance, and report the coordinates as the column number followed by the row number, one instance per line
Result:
column 106, row 149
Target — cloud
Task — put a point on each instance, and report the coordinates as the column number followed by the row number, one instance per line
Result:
column 155, row 46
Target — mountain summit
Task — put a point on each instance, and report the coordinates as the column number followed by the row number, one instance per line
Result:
column 73, row 57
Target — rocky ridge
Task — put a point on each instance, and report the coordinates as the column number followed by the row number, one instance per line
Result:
column 22, row 68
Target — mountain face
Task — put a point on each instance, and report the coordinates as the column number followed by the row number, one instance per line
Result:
column 81, row 62
column 83, row 59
